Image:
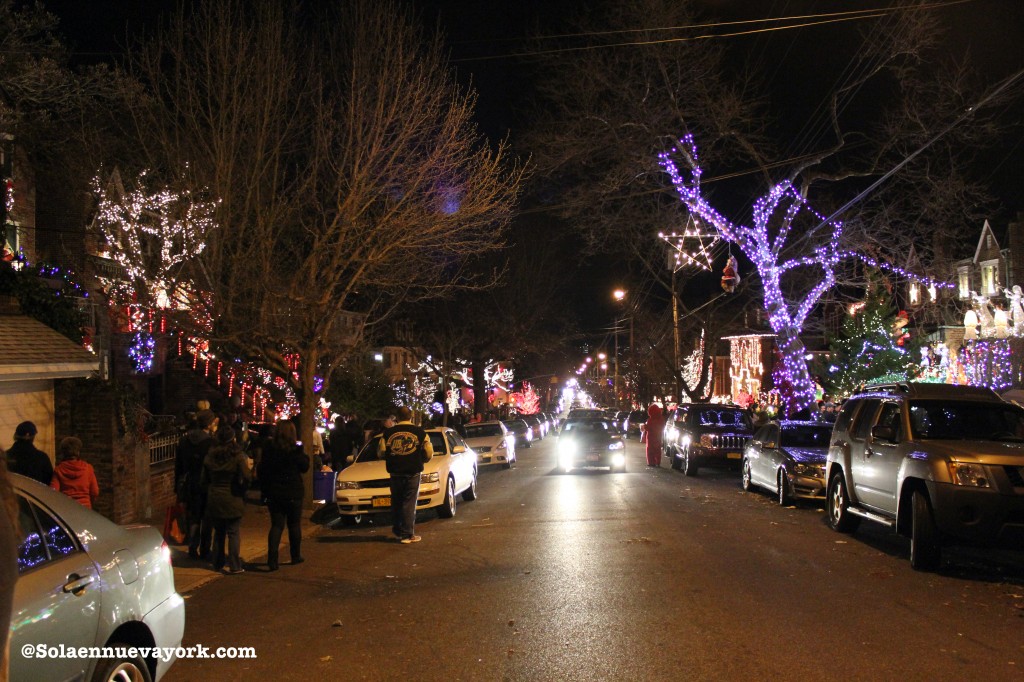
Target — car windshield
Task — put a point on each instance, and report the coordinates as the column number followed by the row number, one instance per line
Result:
column 946, row 420
column 482, row 430
column 589, row 425
column 369, row 451
column 735, row 418
column 806, row 436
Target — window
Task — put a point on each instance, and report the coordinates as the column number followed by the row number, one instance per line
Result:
column 989, row 278
column 862, row 423
column 890, row 416
column 964, row 282
column 915, row 293
column 42, row 538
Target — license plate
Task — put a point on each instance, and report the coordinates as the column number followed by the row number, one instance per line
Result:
column 593, row 458
column 382, row 502
column 735, row 455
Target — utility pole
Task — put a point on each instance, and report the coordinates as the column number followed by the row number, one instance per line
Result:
column 615, row 382
column 675, row 338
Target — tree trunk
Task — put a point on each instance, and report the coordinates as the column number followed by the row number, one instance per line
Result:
column 480, row 403
column 795, row 370
column 308, row 402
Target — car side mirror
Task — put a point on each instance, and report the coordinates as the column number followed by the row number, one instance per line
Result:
column 350, row 459
column 769, row 444
column 884, row 433
column 458, row 449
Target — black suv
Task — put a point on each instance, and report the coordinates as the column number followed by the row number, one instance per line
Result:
column 939, row 464
column 707, row 435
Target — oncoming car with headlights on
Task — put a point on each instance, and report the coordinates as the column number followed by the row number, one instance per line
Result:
column 587, row 443
column 365, row 486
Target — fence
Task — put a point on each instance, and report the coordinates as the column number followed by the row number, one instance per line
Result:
column 163, row 448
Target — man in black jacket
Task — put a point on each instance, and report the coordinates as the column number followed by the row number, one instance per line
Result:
column 188, row 467
column 405, row 448
column 24, row 458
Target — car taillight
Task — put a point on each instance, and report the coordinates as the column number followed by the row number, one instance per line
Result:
column 165, row 551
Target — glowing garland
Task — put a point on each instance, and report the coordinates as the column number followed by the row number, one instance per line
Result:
column 762, row 243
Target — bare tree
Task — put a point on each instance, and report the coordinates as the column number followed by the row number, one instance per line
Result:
column 347, row 170
column 608, row 110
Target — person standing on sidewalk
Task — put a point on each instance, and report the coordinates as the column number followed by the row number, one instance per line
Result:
column 226, row 477
column 74, row 476
column 24, row 458
column 188, row 469
column 282, row 464
column 405, row 448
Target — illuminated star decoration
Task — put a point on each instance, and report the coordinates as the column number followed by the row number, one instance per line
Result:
column 762, row 243
column 692, row 246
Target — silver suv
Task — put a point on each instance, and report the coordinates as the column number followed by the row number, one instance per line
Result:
column 941, row 464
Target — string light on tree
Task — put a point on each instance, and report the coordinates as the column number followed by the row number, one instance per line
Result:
column 762, row 242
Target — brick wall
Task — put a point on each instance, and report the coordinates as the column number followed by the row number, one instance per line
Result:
column 87, row 408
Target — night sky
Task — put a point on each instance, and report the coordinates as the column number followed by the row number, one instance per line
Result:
column 800, row 66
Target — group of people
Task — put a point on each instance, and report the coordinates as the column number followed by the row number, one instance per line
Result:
column 72, row 476
column 212, row 475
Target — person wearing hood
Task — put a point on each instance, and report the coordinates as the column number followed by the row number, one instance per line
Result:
column 74, row 476
column 24, row 458
column 188, row 469
column 225, row 478
column 654, row 428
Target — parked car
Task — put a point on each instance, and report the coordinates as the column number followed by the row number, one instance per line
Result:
column 84, row 581
column 365, row 486
column 585, row 443
column 707, row 435
column 632, row 423
column 540, row 429
column 938, row 463
column 788, row 458
column 521, row 430
column 493, row 443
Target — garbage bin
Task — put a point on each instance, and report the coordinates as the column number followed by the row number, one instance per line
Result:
column 323, row 485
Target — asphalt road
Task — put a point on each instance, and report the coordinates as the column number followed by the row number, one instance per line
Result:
column 647, row 575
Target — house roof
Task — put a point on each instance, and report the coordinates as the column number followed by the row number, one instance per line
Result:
column 31, row 350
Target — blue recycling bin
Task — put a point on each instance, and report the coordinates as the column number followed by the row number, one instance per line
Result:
column 324, row 483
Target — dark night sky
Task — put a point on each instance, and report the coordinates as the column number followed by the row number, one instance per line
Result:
column 800, row 66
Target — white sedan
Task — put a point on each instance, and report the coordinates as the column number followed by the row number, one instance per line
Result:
column 86, row 582
column 493, row 442
column 365, row 486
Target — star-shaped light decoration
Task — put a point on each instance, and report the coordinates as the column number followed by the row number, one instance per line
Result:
column 692, row 246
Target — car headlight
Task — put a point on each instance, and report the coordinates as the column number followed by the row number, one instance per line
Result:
column 430, row 478
column 566, row 447
column 615, row 445
column 974, row 475
column 501, row 445
column 812, row 470
column 618, row 459
column 348, row 485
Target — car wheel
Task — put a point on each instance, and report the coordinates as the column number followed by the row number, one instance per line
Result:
column 839, row 516
column 925, row 550
column 745, row 477
column 689, row 464
column 447, row 508
column 469, row 494
column 507, row 464
column 122, row 669
column 352, row 520
column 785, row 499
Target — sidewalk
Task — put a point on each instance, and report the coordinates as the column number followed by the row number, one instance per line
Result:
column 192, row 573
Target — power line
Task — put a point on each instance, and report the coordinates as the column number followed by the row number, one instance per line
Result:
column 825, row 18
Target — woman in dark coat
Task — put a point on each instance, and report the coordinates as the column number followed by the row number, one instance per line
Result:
column 226, row 477
column 282, row 465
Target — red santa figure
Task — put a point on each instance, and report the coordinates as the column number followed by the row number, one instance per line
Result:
column 730, row 275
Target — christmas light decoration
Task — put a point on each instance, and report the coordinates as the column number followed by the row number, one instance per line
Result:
column 763, row 242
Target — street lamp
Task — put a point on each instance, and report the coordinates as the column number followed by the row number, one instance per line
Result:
column 620, row 295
